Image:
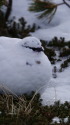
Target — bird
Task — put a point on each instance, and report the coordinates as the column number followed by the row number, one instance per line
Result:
column 24, row 67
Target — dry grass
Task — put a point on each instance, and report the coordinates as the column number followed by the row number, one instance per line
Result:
column 13, row 103
column 28, row 110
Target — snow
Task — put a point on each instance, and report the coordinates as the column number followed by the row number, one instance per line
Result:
column 3, row 9
column 59, row 26
column 23, row 70
column 20, row 9
column 58, row 89
column 66, row 120
column 55, row 119
column 58, row 120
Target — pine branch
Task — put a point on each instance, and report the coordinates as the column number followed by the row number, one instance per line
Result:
column 2, row 2
column 39, row 5
column 47, row 8
column 66, row 3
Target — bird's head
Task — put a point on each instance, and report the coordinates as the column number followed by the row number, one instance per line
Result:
column 32, row 43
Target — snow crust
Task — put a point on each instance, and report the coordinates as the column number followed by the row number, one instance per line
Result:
column 23, row 70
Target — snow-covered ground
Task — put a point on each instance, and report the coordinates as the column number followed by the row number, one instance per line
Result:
column 59, row 26
column 59, row 88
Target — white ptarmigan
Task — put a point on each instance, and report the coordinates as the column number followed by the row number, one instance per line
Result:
column 23, row 65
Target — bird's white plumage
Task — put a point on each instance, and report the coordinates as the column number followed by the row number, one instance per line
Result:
column 21, row 69
column 31, row 42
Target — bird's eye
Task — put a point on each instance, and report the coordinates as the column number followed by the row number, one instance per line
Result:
column 38, row 62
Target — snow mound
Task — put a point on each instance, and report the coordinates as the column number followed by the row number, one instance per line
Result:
column 23, row 70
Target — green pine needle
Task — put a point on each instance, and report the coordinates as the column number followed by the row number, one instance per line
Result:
column 2, row 2
column 47, row 8
column 48, row 13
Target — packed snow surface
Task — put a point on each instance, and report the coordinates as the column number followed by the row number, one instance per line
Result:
column 58, row 89
column 59, row 26
column 22, row 69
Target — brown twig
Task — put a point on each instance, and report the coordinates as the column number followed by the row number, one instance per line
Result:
column 66, row 3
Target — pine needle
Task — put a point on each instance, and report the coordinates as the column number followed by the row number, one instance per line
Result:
column 47, row 8
column 2, row 2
